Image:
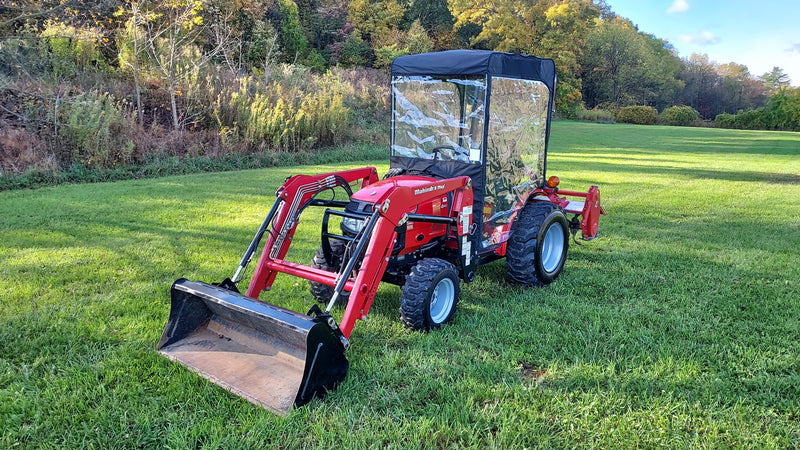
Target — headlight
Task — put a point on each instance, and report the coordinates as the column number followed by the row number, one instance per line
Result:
column 352, row 226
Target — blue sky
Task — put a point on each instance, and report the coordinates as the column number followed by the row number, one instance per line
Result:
column 760, row 34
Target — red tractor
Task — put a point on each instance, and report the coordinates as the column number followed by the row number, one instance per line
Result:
column 466, row 186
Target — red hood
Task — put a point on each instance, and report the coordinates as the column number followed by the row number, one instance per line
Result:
column 376, row 191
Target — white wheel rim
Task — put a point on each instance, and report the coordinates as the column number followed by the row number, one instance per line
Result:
column 552, row 247
column 442, row 300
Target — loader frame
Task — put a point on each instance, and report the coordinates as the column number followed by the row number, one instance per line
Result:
column 373, row 248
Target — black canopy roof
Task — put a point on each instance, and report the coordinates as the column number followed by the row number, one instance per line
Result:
column 477, row 62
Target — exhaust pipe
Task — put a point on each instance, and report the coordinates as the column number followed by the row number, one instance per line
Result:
column 269, row 355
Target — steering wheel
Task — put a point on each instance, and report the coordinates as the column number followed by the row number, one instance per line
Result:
column 439, row 147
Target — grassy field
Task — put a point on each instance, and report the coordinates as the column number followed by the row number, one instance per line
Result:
column 679, row 327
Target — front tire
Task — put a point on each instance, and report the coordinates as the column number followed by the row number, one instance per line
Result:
column 538, row 244
column 430, row 294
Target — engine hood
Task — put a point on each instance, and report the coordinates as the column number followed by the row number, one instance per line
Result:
column 374, row 192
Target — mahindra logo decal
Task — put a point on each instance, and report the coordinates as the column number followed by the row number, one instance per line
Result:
column 438, row 187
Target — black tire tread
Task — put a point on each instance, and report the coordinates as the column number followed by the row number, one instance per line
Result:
column 520, row 254
column 413, row 308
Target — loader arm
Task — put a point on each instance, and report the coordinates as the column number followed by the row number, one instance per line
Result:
column 294, row 195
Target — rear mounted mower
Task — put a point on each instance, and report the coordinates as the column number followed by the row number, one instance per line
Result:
column 466, row 186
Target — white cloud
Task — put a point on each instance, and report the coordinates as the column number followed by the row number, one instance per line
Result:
column 703, row 38
column 678, row 6
column 795, row 48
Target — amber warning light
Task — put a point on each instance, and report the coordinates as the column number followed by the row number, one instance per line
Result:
column 553, row 181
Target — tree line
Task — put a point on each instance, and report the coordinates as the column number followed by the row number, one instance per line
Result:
column 201, row 65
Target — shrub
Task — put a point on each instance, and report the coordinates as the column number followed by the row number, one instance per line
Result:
column 418, row 40
column 783, row 110
column 679, row 116
column 366, row 95
column 366, row 89
column 725, row 120
column 93, row 131
column 782, row 113
column 751, row 119
column 315, row 61
column 21, row 150
column 262, row 43
column 353, row 52
column 595, row 115
column 568, row 101
column 386, row 54
column 641, row 115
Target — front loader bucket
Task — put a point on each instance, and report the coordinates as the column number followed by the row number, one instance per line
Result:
column 271, row 356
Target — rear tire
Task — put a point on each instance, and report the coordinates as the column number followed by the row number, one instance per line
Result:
column 430, row 294
column 538, row 244
column 322, row 292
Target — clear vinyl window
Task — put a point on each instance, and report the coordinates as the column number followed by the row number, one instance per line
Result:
column 515, row 155
column 438, row 118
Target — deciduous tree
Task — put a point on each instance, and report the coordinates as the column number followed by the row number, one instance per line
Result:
column 624, row 66
column 377, row 24
column 170, row 42
column 554, row 29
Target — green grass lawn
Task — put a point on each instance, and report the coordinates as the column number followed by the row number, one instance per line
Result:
column 679, row 326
